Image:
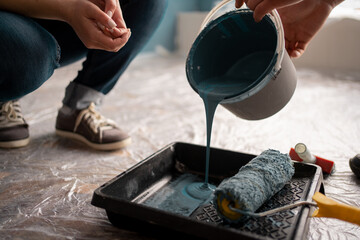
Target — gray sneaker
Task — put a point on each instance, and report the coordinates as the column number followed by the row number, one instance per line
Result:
column 14, row 132
column 91, row 128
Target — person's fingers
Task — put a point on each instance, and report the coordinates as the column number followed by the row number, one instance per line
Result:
column 107, row 43
column 110, row 7
column 101, row 17
column 114, row 33
column 296, row 54
column 290, row 43
column 96, row 29
column 118, row 17
column 295, row 49
column 99, row 3
column 120, row 42
column 299, row 49
column 262, row 9
column 113, row 25
column 252, row 3
column 118, row 32
column 102, row 27
column 239, row 3
column 92, row 39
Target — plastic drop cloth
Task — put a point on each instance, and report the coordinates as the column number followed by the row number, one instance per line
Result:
column 46, row 187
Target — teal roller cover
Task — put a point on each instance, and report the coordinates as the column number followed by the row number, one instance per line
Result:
column 254, row 184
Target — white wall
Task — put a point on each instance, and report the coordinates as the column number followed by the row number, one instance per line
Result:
column 336, row 46
column 188, row 26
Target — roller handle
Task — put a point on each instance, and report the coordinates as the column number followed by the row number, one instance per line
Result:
column 328, row 207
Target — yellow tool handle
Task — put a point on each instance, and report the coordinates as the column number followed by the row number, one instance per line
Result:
column 328, row 207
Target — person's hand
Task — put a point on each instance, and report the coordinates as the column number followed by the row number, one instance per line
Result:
column 99, row 24
column 301, row 22
column 113, row 10
column 262, row 7
column 301, row 19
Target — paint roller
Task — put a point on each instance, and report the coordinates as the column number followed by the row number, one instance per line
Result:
column 254, row 184
column 261, row 178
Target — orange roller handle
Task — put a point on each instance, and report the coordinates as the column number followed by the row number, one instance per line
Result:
column 328, row 207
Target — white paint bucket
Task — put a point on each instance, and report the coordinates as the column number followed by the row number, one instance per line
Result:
column 232, row 37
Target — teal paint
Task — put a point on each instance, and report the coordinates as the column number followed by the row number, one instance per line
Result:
column 213, row 91
column 227, row 59
column 216, row 73
column 228, row 40
column 199, row 190
column 174, row 198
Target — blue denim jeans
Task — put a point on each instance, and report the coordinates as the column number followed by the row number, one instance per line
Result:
column 31, row 49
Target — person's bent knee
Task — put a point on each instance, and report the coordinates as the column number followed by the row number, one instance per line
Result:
column 29, row 55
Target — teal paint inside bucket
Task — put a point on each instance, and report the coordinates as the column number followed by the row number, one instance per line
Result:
column 231, row 56
column 224, row 44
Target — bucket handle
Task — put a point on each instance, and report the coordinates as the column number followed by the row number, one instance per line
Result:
column 279, row 27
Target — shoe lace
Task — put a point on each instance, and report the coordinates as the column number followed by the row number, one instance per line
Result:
column 10, row 113
column 95, row 120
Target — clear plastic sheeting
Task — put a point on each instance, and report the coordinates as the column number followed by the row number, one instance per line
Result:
column 46, row 187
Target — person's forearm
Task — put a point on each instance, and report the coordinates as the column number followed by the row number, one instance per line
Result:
column 47, row 9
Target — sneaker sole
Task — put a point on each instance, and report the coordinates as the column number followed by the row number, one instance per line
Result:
column 15, row 144
column 97, row 146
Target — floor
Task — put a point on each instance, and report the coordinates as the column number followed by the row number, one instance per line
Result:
column 46, row 187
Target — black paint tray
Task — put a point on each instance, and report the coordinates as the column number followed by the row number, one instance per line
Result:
column 135, row 198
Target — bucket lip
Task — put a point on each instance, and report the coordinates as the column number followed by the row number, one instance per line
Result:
column 258, row 84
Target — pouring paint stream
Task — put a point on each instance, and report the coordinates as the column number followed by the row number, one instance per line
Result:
column 242, row 74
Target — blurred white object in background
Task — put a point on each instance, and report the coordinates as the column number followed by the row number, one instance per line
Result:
column 335, row 47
